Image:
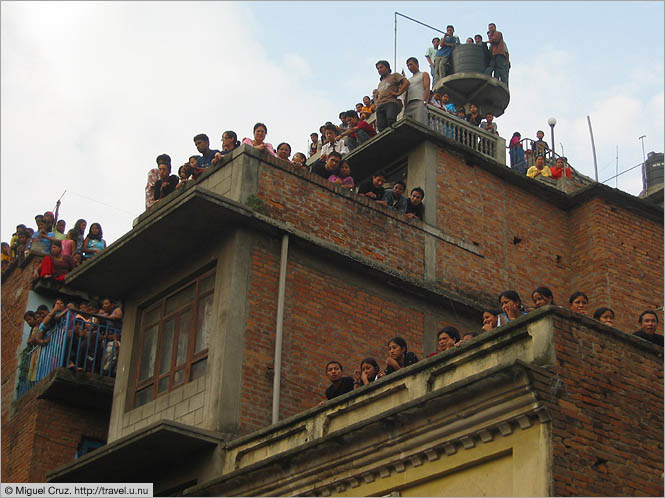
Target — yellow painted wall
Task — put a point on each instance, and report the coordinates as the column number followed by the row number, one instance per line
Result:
column 513, row 465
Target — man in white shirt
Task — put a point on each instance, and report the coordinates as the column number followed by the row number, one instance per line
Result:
column 417, row 93
column 330, row 132
column 430, row 53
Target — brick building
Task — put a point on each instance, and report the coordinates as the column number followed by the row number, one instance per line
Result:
column 276, row 271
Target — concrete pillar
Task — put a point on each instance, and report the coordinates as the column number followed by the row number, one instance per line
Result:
column 226, row 356
column 422, row 165
column 422, row 172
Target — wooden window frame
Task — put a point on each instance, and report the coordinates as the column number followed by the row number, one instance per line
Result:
column 192, row 357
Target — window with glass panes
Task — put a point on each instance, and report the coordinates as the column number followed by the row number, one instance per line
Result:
column 173, row 339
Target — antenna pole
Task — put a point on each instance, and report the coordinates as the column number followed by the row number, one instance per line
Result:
column 593, row 148
column 57, row 207
column 416, row 21
column 616, row 180
column 395, row 49
column 644, row 159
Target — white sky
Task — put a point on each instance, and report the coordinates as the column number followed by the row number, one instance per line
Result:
column 92, row 92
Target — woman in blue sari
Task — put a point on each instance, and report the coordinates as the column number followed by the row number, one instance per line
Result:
column 517, row 159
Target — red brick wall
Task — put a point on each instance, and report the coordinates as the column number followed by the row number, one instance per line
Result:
column 37, row 435
column 43, row 435
column 612, row 254
column 482, row 208
column 15, row 290
column 328, row 315
column 256, row 395
column 607, row 426
column 609, row 252
column 617, row 260
column 16, row 444
column 313, row 205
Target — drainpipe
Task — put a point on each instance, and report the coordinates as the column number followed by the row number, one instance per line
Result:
column 278, row 331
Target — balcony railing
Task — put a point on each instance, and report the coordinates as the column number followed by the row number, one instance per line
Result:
column 487, row 144
column 444, row 123
column 78, row 340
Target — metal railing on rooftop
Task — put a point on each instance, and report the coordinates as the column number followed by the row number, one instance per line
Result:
column 78, row 340
column 464, row 133
column 460, row 131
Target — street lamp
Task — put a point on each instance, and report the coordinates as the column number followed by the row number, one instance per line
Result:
column 552, row 122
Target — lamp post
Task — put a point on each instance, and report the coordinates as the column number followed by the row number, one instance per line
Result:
column 552, row 122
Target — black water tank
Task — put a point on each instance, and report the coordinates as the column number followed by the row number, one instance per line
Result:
column 469, row 58
column 653, row 170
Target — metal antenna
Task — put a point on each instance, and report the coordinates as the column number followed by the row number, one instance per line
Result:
column 593, row 148
column 616, row 179
column 57, row 207
column 644, row 159
column 440, row 31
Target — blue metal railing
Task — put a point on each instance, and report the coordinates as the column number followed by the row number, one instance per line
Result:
column 81, row 341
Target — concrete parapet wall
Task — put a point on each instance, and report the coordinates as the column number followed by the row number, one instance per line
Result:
column 548, row 391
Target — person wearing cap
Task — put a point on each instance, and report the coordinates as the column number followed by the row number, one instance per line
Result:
column 391, row 86
column 49, row 220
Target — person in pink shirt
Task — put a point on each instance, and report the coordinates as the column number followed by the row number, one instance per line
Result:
column 260, row 132
column 69, row 244
column 343, row 177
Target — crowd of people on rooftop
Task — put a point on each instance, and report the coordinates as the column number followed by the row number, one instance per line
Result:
column 330, row 165
column 65, row 250
column 510, row 307
column 355, row 128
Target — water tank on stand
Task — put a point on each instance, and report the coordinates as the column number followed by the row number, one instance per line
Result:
column 468, row 83
column 469, row 58
column 652, row 172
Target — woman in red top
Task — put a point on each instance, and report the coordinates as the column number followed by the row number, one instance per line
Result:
column 55, row 265
column 557, row 171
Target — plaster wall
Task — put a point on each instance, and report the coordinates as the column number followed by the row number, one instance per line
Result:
column 514, row 465
column 198, row 402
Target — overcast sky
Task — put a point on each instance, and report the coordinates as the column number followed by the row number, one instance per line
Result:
column 93, row 92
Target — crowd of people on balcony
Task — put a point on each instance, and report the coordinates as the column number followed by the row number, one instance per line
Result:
column 91, row 342
column 64, row 249
column 510, row 307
